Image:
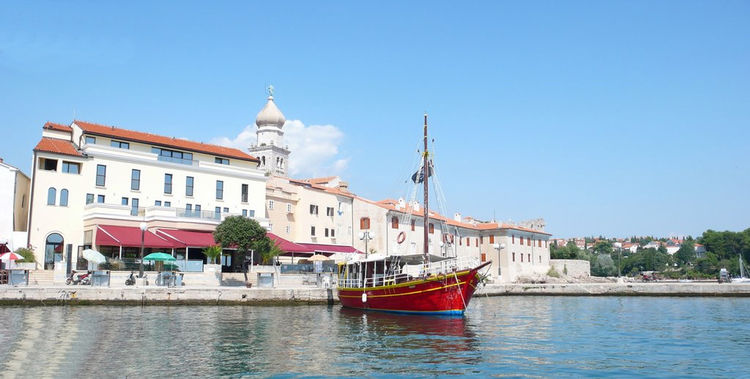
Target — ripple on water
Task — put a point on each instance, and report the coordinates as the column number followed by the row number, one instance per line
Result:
column 501, row 336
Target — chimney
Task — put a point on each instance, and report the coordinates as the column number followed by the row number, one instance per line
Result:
column 457, row 217
column 344, row 186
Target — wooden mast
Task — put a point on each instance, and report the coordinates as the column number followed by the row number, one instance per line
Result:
column 426, row 175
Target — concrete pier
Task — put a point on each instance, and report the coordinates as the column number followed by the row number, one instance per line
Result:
column 224, row 295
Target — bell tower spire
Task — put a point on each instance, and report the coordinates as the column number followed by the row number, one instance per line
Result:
column 270, row 148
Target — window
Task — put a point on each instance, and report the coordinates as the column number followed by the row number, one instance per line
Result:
column 513, row 238
column 244, row 213
column 119, row 144
column 521, row 238
column 289, row 208
column 329, row 211
column 173, row 156
column 251, row 213
column 326, row 232
column 364, row 223
column 219, row 189
column 528, row 241
column 221, row 160
column 476, row 242
column 51, row 196
column 394, row 222
column 244, row 193
column 198, row 209
column 540, row 259
column 101, row 175
column 312, row 231
column 521, row 257
column 481, row 239
column 492, row 239
column 64, row 197
column 217, row 212
column 157, row 203
column 529, row 258
column 167, row 183
column 460, row 241
column 125, row 201
column 270, row 204
column 167, row 204
column 188, row 210
column 89, row 198
column 134, row 207
column 332, row 233
column 313, row 209
column 189, row 183
column 432, row 228
column 90, row 139
column 540, row 243
column 48, row 164
column 287, row 229
column 413, row 223
column 514, row 257
column 484, row 257
column 468, row 243
column 135, row 180
column 100, row 199
column 71, row 167
column 226, row 210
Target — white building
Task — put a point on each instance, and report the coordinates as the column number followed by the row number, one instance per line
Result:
column 14, row 201
column 94, row 185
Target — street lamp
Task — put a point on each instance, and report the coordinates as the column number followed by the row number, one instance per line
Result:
column 143, row 234
column 366, row 236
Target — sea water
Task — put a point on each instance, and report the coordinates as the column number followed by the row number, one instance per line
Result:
column 531, row 336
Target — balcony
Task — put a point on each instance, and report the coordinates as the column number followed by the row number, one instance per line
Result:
column 188, row 162
column 101, row 211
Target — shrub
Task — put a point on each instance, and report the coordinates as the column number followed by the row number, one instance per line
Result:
column 27, row 254
column 212, row 252
column 553, row 273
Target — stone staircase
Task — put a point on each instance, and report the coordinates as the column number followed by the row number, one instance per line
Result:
column 41, row 278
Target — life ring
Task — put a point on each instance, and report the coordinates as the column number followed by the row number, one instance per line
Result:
column 401, row 238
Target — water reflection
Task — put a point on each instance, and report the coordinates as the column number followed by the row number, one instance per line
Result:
column 522, row 336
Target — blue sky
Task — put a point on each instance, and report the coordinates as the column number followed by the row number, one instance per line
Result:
column 614, row 118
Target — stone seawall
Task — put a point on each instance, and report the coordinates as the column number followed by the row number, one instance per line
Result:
column 617, row 289
column 66, row 295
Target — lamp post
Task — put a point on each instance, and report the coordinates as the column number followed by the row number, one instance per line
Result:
column 366, row 236
column 143, row 234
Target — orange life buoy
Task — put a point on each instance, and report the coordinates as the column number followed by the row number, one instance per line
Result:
column 401, row 238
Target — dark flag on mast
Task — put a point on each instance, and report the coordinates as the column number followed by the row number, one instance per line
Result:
column 418, row 176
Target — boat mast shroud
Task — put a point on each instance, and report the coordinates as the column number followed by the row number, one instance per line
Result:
column 425, row 173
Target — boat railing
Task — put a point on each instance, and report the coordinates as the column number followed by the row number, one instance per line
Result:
column 433, row 268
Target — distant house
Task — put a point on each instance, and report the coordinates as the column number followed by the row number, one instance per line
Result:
column 652, row 245
column 700, row 250
column 671, row 249
column 632, row 247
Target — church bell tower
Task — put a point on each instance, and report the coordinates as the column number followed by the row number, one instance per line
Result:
column 270, row 148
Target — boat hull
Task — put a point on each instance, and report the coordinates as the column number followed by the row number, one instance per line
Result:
column 447, row 294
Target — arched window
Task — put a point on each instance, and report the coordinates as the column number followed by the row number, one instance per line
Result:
column 364, row 223
column 51, row 196
column 394, row 222
column 53, row 250
column 64, row 197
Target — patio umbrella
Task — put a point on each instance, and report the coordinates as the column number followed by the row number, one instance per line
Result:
column 10, row 256
column 318, row 257
column 159, row 257
column 93, row 256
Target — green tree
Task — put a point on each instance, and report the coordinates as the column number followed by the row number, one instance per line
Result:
column 603, row 247
column 267, row 250
column 212, row 252
column 240, row 232
column 686, row 254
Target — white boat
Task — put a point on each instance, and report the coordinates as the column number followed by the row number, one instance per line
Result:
column 743, row 275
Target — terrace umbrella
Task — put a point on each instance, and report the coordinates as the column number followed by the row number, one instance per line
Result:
column 159, row 257
column 10, row 257
column 318, row 257
column 93, row 256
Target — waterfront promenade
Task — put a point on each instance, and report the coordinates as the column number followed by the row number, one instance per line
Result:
column 151, row 295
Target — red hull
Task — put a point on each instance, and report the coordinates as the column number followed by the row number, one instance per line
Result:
column 441, row 294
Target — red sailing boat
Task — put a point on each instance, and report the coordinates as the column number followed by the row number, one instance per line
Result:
column 415, row 283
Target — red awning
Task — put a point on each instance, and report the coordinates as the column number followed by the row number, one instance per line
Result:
column 188, row 238
column 323, row 248
column 288, row 246
column 130, row 236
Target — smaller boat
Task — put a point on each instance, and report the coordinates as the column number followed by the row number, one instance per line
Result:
column 743, row 274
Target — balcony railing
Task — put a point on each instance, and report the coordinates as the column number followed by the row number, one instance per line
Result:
column 199, row 214
column 188, row 162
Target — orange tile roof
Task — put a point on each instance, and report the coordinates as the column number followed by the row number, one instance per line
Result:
column 131, row 135
column 57, row 146
column 56, row 126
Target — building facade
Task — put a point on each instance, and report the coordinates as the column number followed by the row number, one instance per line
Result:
column 14, row 201
column 90, row 179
